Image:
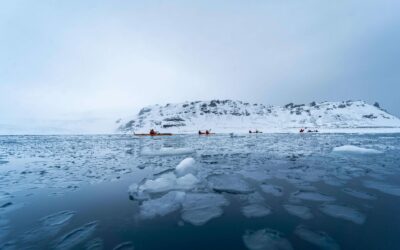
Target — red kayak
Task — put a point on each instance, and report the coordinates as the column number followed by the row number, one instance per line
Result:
column 159, row 134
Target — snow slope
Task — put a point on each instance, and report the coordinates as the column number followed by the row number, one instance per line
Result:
column 226, row 116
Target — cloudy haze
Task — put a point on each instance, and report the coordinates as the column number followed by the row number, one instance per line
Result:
column 77, row 66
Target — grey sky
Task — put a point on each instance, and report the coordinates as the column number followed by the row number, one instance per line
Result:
column 79, row 65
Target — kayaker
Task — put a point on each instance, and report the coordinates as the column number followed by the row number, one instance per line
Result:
column 207, row 132
column 302, row 130
column 200, row 132
column 152, row 132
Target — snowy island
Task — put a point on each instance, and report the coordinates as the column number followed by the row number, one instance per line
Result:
column 226, row 116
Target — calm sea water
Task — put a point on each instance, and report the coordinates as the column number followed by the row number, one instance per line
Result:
column 280, row 191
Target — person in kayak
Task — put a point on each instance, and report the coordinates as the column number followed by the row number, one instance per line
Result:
column 302, row 130
column 207, row 132
column 152, row 132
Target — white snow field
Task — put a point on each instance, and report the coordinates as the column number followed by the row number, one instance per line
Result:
column 227, row 116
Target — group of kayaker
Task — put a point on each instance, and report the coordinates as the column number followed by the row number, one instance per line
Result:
column 207, row 132
column 255, row 132
column 302, row 130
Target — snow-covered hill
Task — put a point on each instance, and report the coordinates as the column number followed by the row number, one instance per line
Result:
column 237, row 116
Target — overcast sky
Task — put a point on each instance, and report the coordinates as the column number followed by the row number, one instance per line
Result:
column 77, row 66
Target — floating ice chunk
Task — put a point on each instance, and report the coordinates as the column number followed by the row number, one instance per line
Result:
column 168, row 182
column 57, row 218
column 186, row 182
column 229, row 183
column 319, row 239
column 257, row 175
column 312, row 196
column 186, row 166
column 168, row 152
column 76, row 236
column 299, row 211
column 355, row 150
column 95, row 244
column 199, row 217
column 266, row 239
column 255, row 210
column 343, row 212
column 164, row 205
column 199, row 208
column 359, row 194
column 383, row 187
column 128, row 245
column 272, row 189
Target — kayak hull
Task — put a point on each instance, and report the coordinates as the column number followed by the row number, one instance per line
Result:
column 161, row 134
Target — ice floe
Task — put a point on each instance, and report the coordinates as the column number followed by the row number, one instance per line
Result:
column 76, row 236
column 266, row 239
column 186, row 166
column 164, row 205
column 312, row 196
column 355, row 150
column 359, row 194
column 127, row 245
column 302, row 212
column 383, row 187
column 343, row 212
column 317, row 238
column 229, row 183
column 199, row 208
column 255, row 210
column 272, row 189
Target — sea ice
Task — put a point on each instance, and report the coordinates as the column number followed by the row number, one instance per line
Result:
column 312, row 196
column 76, row 236
column 165, row 183
column 164, row 205
column 186, row 166
column 383, row 187
column 128, row 245
column 343, row 212
column 229, row 183
column 299, row 211
column 198, row 208
column 272, row 189
column 255, row 210
column 359, row 194
column 319, row 239
column 266, row 239
column 355, row 150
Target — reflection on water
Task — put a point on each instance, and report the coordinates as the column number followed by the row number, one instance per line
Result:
column 282, row 191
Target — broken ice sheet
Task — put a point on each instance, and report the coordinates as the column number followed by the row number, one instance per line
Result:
column 266, row 239
column 383, row 187
column 168, row 151
column 359, row 194
column 199, row 208
column 343, row 212
column 256, row 210
column 272, row 189
column 312, row 196
column 76, row 236
column 302, row 212
column 164, row 205
column 229, row 183
column 317, row 238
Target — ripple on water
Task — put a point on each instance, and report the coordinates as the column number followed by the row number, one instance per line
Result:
column 76, row 236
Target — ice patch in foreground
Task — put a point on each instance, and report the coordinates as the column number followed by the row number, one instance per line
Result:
column 312, row 196
column 299, row 211
column 359, row 194
column 199, row 208
column 186, row 166
column 229, row 183
column 355, row 150
column 319, row 239
column 164, row 205
column 266, row 239
column 255, row 210
column 272, row 189
column 168, row 152
column 76, row 236
column 383, row 187
column 343, row 212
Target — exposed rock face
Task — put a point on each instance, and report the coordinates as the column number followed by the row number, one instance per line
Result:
column 238, row 116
